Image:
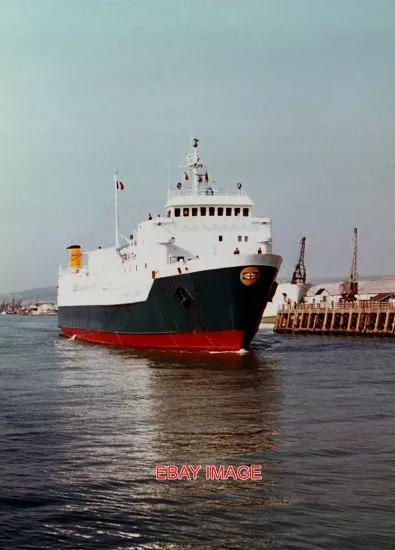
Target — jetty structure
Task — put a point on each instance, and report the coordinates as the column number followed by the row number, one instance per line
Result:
column 351, row 314
column 357, row 318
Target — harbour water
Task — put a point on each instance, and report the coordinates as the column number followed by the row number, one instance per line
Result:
column 83, row 427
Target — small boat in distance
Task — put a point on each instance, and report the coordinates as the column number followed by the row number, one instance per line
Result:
column 198, row 278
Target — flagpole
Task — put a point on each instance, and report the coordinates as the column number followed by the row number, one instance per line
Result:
column 116, row 211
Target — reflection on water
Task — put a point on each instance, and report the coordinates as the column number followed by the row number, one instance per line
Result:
column 175, row 409
column 216, row 409
column 130, row 411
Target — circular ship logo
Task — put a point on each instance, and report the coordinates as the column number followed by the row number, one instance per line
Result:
column 249, row 276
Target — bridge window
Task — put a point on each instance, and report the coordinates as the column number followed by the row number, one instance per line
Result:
column 211, row 211
column 194, row 211
column 239, row 238
column 237, row 211
column 220, row 238
column 220, row 211
column 246, row 212
column 185, row 212
column 228, row 211
column 245, row 239
column 177, row 212
column 203, row 211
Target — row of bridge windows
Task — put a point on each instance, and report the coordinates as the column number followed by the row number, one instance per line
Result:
column 209, row 211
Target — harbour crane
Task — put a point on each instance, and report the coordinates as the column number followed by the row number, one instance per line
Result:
column 349, row 287
column 299, row 274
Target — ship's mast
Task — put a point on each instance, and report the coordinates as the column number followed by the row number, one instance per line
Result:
column 195, row 157
column 299, row 274
column 116, row 211
column 194, row 165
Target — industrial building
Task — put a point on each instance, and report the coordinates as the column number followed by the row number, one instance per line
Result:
column 378, row 290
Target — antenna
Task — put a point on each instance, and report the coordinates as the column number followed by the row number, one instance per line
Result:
column 299, row 274
column 349, row 288
column 193, row 164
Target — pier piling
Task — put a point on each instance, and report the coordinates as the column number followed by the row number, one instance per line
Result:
column 357, row 318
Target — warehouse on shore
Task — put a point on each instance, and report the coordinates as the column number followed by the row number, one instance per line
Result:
column 378, row 290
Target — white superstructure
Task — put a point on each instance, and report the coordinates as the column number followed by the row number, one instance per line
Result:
column 205, row 227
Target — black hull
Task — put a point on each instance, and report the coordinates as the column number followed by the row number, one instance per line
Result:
column 207, row 302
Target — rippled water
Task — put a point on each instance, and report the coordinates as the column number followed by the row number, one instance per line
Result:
column 82, row 428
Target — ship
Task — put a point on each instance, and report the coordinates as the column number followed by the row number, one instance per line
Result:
column 196, row 278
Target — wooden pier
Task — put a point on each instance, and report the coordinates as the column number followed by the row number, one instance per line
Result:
column 357, row 318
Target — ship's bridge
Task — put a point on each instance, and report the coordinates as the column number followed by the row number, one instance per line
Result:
column 208, row 201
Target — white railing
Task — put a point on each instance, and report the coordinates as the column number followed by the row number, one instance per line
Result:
column 206, row 191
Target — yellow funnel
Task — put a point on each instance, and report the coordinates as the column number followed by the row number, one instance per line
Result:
column 75, row 256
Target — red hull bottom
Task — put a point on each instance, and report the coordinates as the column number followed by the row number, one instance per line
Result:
column 226, row 340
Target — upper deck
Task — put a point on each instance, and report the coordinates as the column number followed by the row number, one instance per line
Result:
column 208, row 195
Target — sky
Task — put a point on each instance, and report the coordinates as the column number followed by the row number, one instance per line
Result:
column 294, row 98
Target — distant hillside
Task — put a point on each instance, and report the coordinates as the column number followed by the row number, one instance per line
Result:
column 45, row 294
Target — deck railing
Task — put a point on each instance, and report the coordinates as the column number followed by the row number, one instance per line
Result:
column 206, row 192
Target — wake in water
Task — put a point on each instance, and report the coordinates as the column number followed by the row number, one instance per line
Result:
column 241, row 351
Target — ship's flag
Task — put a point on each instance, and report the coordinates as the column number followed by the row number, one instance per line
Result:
column 186, row 177
column 195, row 142
column 120, row 185
column 206, row 177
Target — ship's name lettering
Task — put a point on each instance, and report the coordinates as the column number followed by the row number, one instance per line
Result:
column 77, row 287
